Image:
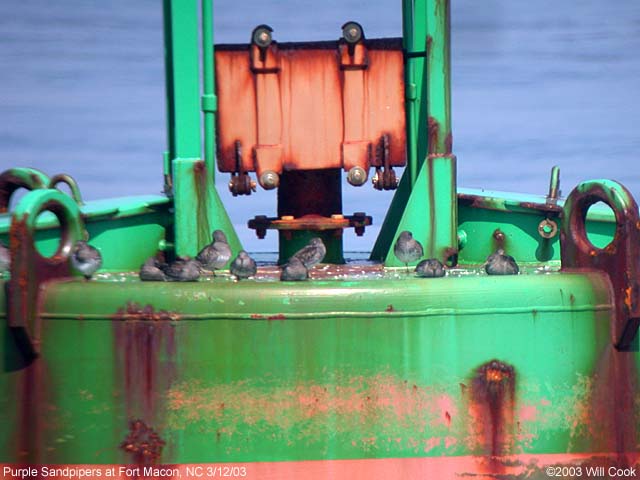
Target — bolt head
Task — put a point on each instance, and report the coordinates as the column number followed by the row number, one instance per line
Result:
column 269, row 180
column 357, row 176
column 262, row 36
column 352, row 32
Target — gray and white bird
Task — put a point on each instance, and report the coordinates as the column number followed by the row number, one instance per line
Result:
column 499, row 263
column 430, row 268
column 5, row 258
column 153, row 270
column 85, row 258
column 215, row 255
column 294, row 271
column 407, row 249
column 311, row 254
column 243, row 266
column 184, row 269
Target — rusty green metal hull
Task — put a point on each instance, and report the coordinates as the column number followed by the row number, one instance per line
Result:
column 363, row 370
column 386, row 366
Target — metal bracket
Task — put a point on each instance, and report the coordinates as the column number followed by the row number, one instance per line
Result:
column 267, row 153
column 15, row 178
column 29, row 269
column 384, row 178
column 619, row 259
column 240, row 183
column 353, row 62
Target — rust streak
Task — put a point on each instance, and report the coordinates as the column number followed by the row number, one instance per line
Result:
column 143, row 443
column 492, row 406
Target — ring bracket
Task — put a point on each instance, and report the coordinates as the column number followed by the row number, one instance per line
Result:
column 619, row 259
column 29, row 269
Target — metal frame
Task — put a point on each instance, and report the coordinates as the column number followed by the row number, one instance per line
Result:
column 198, row 209
column 428, row 110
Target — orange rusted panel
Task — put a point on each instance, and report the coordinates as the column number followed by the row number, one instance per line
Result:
column 308, row 106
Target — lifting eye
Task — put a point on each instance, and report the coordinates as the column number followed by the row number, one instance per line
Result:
column 262, row 36
column 352, row 32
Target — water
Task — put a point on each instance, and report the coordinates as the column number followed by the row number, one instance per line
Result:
column 534, row 84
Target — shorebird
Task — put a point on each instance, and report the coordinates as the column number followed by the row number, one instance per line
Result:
column 85, row 258
column 311, row 254
column 407, row 249
column 5, row 258
column 243, row 266
column 153, row 270
column 430, row 268
column 215, row 255
column 294, row 271
column 184, row 269
column 499, row 263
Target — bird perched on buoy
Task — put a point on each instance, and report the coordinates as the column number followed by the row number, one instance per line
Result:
column 153, row 270
column 243, row 266
column 407, row 249
column 499, row 263
column 184, row 269
column 85, row 258
column 311, row 254
column 430, row 268
column 215, row 255
column 5, row 258
column 294, row 271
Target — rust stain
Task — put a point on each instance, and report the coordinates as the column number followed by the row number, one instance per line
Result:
column 200, row 179
column 143, row 443
column 389, row 308
column 307, row 91
column 613, row 416
column 35, row 413
column 492, row 407
column 448, row 143
column 135, row 311
column 433, row 131
column 499, row 239
column 145, row 353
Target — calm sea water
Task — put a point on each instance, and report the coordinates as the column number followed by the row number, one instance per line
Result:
column 535, row 84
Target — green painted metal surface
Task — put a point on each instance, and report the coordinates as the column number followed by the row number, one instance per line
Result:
column 431, row 165
column 209, row 99
column 198, row 208
column 183, row 84
column 430, row 213
column 266, row 370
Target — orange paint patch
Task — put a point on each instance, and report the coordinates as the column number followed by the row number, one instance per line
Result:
column 440, row 468
column 528, row 413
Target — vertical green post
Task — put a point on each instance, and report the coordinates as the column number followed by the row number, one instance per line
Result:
column 183, row 87
column 413, row 41
column 209, row 99
column 425, row 205
column 198, row 208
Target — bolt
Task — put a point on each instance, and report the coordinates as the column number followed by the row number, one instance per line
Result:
column 269, row 180
column 547, row 228
column 357, row 176
column 352, row 32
